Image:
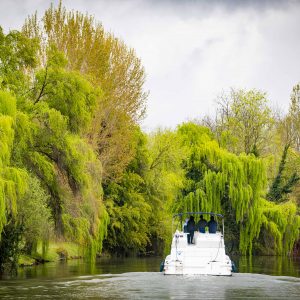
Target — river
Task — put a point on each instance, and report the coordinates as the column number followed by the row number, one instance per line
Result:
column 138, row 278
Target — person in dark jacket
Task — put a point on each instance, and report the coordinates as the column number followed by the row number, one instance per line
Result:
column 201, row 224
column 212, row 225
column 190, row 230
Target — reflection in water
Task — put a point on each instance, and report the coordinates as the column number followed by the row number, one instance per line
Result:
column 81, row 268
column 133, row 278
column 271, row 265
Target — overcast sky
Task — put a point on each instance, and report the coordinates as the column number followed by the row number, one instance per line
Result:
column 194, row 50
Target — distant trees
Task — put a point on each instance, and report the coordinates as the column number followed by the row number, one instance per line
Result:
column 286, row 181
column 280, row 188
column 293, row 117
column 243, row 121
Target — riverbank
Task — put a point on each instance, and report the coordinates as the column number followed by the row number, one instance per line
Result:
column 56, row 251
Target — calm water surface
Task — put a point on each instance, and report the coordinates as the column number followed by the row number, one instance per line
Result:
column 259, row 278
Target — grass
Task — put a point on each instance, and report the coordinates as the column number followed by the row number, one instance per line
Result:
column 26, row 260
column 56, row 250
column 59, row 250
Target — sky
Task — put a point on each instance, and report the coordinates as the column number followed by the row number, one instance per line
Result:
column 193, row 51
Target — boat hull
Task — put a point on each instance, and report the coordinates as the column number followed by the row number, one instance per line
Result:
column 210, row 268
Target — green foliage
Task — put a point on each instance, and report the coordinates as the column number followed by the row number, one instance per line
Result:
column 109, row 65
column 186, row 170
column 129, row 212
column 17, row 54
column 74, row 165
column 10, row 241
column 292, row 120
column 279, row 190
column 127, row 205
column 282, row 222
column 216, row 177
column 164, row 180
column 244, row 122
column 47, row 166
column 7, row 104
column 13, row 185
column 140, row 204
column 35, row 216
column 67, row 92
column 71, row 172
column 12, row 180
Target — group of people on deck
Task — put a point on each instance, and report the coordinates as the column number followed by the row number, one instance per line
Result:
column 190, row 227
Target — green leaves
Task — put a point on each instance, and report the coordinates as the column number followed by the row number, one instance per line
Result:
column 69, row 93
column 219, row 181
column 47, row 165
column 76, row 42
column 244, row 122
column 17, row 54
column 35, row 215
column 129, row 212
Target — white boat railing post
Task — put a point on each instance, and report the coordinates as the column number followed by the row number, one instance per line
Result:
column 223, row 226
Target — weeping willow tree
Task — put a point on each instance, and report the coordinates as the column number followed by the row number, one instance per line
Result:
column 12, row 180
column 44, row 144
column 13, row 183
column 60, row 111
column 217, row 179
column 78, row 97
column 21, row 194
column 87, row 100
